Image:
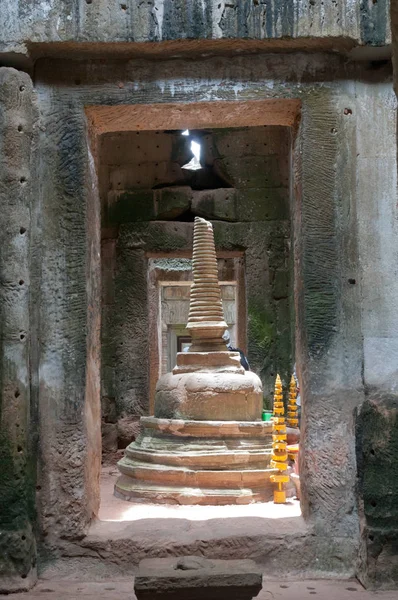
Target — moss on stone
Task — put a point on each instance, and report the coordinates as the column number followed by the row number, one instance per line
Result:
column 13, row 490
column 377, row 443
column 17, row 511
column 172, row 202
column 155, row 236
column 134, row 205
column 261, row 336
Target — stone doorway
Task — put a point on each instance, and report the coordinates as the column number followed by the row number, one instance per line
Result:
column 244, row 186
column 315, row 261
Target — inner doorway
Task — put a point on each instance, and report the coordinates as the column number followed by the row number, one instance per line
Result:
column 148, row 205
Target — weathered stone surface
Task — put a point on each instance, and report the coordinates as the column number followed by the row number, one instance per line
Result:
column 394, row 29
column 201, row 362
column 147, row 174
column 335, row 192
column 228, row 397
column 128, row 429
column 215, row 204
column 18, row 448
column 172, row 202
column 130, row 332
column 248, row 172
column 68, row 312
column 197, row 462
column 268, row 541
column 377, row 419
column 341, row 25
column 265, row 203
column 109, row 437
column 126, row 206
column 377, row 447
column 193, row 576
column 108, row 409
column 319, row 192
column 186, row 427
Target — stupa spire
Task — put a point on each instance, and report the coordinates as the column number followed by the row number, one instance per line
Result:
column 206, row 322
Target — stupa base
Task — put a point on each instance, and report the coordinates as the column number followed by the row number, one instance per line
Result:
column 140, row 492
column 176, row 461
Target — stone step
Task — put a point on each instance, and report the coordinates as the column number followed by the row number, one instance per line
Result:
column 155, row 441
column 209, row 429
column 142, row 491
column 183, row 476
column 204, row 458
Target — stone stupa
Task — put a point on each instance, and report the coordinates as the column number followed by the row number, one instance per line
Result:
column 206, row 443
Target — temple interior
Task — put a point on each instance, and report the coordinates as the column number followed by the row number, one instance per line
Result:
column 198, row 292
column 244, row 188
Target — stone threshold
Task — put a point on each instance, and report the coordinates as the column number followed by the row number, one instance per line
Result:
column 123, row 589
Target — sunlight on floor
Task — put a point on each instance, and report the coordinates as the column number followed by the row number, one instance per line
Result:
column 114, row 509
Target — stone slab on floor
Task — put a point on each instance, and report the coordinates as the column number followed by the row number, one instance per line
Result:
column 195, row 577
column 272, row 590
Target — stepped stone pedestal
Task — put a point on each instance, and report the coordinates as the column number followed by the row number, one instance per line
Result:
column 206, row 443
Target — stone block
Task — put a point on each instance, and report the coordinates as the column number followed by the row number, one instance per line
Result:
column 263, row 204
column 172, row 202
column 381, row 360
column 182, row 20
column 108, row 409
column 109, row 437
column 128, row 206
column 107, row 375
column 128, row 429
column 215, row 204
column 253, row 171
column 281, row 284
column 126, row 147
column 197, row 578
column 283, row 346
column 144, row 175
column 254, row 141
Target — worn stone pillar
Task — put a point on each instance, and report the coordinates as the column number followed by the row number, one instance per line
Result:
column 67, row 230
column 17, row 134
column 328, row 335
column 377, row 423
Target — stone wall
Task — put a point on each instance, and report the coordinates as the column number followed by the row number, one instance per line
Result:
column 377, row 426
column 325, row 248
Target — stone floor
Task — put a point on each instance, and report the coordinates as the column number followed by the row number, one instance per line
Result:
column 130, row 532
column 127, row 533
column 272, row 590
